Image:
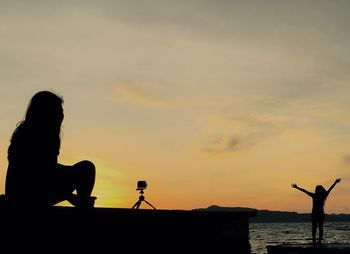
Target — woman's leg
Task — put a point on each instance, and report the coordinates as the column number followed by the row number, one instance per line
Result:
column 84, row 172
column 66, row 179
column 314, row 227
column 320, row 231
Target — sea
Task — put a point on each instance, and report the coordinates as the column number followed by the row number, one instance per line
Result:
column 263, row 234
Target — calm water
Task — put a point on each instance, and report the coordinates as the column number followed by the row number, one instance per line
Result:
column 262, row 234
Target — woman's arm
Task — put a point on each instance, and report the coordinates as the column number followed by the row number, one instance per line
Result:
column 295, row 186
column 333, row 185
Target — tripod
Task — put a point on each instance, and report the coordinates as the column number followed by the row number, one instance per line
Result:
column 141, row 198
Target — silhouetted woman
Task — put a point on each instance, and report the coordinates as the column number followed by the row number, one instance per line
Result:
column 34, row 177
column 318, row 201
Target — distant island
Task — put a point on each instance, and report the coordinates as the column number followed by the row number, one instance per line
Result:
column 267, row 216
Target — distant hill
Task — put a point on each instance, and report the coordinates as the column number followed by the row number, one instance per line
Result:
column 276, row 216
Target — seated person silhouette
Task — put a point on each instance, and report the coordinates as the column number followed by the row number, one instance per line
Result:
column 34, row 177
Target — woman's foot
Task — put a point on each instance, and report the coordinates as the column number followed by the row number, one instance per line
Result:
column 73, row 199
column 87, row 203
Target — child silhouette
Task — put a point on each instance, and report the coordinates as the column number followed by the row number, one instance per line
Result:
column 34, row 177
column 318, row 201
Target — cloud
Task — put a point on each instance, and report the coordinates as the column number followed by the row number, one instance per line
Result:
column 141, row 94
column 222, row 145
column 346, row 159
column 232, row 144
column 233, row 133
column 345, row 172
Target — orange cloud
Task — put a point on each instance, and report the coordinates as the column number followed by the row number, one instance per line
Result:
column 142, row 94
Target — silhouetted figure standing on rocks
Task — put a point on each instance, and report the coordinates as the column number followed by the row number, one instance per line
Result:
column 34, row 177
column 318, row 201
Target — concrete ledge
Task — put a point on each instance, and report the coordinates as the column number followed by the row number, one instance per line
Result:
column 330, row 248
column 126, row 228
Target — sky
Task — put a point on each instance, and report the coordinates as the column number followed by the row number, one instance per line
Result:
column 211, row 102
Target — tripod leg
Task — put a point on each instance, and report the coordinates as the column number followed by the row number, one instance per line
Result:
column 137, row 204
column 149, row 204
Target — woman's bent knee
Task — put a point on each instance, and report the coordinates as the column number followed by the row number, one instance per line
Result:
column 87, row 167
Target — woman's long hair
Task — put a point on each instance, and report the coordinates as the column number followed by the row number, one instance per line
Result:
column 321, row 193
column 44, row 116
column 44, row 108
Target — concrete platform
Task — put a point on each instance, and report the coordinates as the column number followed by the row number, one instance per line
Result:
column 109, row 229
column 328, row 248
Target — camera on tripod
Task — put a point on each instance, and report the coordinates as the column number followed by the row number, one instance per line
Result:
column 141, row 185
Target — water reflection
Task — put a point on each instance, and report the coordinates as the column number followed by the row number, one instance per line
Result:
column 262, row 234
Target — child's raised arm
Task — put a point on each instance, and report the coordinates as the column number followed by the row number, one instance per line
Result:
column 333, row 185
column 294, row 185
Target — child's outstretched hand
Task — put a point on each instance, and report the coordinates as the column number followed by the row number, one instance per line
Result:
column 294, row 185
column 338, row 180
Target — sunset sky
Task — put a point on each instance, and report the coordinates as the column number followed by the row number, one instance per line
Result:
column 211, row 102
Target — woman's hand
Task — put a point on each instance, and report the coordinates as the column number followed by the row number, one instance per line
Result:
column 338, row 180
column 294, row 185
